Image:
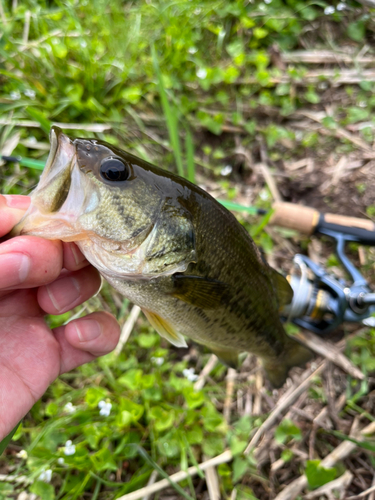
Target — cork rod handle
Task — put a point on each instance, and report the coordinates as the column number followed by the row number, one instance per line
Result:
column 307, row 220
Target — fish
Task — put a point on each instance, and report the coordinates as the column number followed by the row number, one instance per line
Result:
column 169, row 247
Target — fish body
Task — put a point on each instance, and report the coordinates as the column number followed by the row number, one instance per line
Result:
column 167, row 246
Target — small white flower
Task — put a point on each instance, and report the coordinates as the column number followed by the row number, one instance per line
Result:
column 341, row 6
column 83, row 43
column 201, row 73
column 15, row 95
column 69, row 408
column 22, row 454
column 197, row 11
column 329, row 10
column 157, row 361
column 61, row 461
column 105, row 408
column 227, row 170
column 264, row 195
column 190, row 374
column 32, row 139
column 30, row 93
column 69, row 448
column 46, row 476
column 192, row 50
column 362, row 104
column 267, row 1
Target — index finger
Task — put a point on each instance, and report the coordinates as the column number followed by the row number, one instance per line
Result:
column 12, row 208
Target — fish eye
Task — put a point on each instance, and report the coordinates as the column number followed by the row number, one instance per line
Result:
column 114, row 170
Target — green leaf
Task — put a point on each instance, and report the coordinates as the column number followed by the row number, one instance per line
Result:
column 132, row 379
column 213, row 420
column 260, row 33
column 129, row 412
column 132, row 94
column 94, row 395
column 6, row 491
column 195, row 435
column 317, row 475
column 52, row 409
column 287, row 430
column 193, row 398
column 357, row 30
column 312, row 96
column 40, row 117
column 357, row 114
column 43, row 490
column 240, row 466
column 237, row 445
column 308, row 13
column 287, row 455
column 147, row 340
column 213, row 445
column 164, row 419
column 103, row 461
column 329, row 122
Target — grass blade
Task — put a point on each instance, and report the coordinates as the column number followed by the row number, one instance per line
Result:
column 171, row 116
column 4, row 443
column 153, row 464
column 189, row 147
column 236, row 207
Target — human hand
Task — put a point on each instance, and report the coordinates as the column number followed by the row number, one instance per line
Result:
column 39, row 277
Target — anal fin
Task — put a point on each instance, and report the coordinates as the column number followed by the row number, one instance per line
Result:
column 228, row 358
column 165, row 329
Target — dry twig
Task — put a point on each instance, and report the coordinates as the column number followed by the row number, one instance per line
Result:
column 89, row 127
column 329, row 351
column 231, row 377
column 284, row 402
column 127, row 329
column 178, row 476
column 210, row 365
column 212, row 481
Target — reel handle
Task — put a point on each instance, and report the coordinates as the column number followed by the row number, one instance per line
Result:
column 307, row 220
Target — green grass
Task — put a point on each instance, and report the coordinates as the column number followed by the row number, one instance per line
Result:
column 182, row 84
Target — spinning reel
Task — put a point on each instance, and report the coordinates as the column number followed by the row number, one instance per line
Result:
column 321, row 301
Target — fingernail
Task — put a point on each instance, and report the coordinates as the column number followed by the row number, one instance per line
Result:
column 64, row 293
column 15, row 269
column 17, row 201
column 88, row 329
column 77, row 254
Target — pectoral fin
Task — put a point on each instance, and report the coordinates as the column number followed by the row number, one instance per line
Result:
column 165, row 329
column 283, row 290
column 198, row 291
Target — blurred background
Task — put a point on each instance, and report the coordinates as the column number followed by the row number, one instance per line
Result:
column 254, row 101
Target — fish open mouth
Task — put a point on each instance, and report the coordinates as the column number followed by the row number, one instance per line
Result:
column 58, row 199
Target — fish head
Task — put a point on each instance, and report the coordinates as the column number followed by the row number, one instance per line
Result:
column 121, row 211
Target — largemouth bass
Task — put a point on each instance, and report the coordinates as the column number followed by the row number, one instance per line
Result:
column 167, row 246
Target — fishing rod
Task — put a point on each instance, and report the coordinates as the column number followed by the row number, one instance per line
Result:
column 321, row 301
